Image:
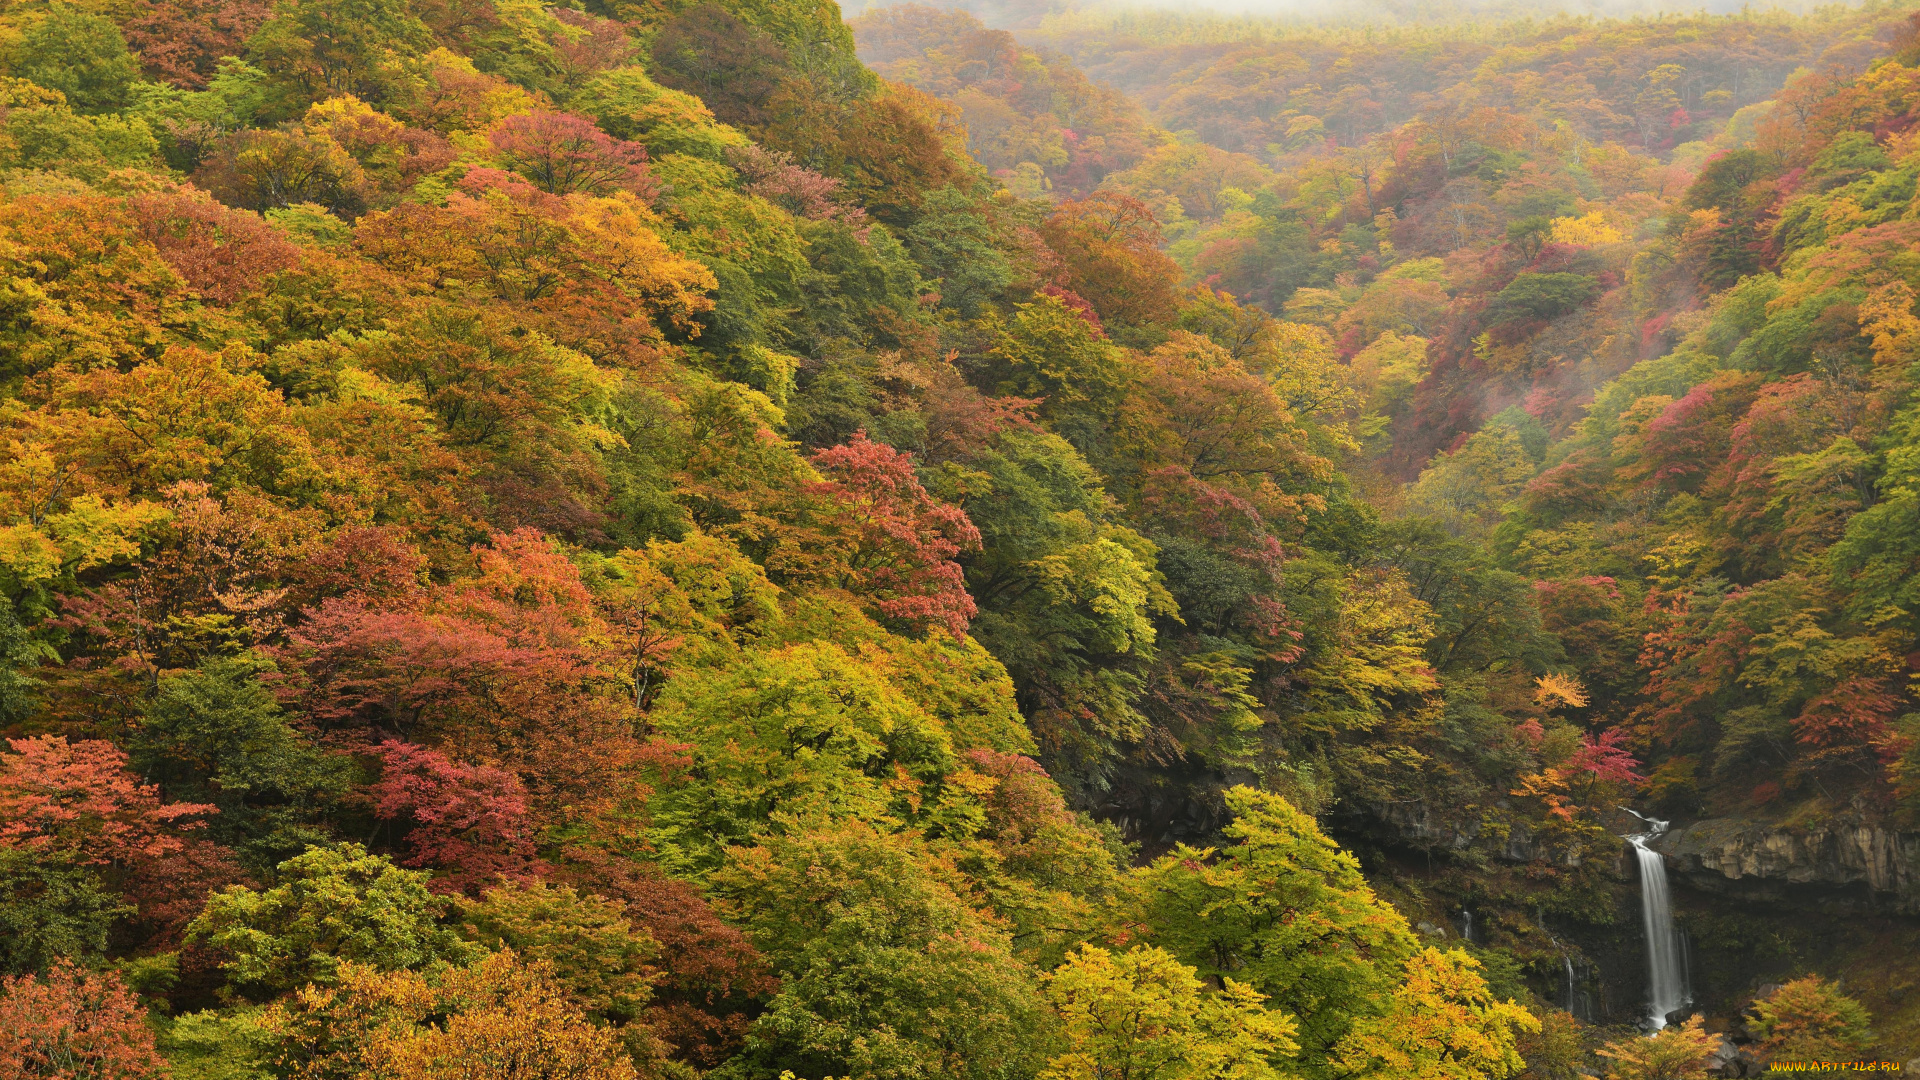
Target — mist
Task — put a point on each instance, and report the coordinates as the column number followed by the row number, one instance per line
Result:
column 1237, row 17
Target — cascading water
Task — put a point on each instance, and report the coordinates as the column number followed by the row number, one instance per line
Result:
column 1579, row 1001
column 1667, row 989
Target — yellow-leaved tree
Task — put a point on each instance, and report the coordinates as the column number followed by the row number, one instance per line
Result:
column 1676, row 1052
column 1441, row 1024
column 1144, row 1015
column 498, row 1019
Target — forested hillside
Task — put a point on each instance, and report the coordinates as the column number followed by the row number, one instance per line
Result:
column 625, row 540
column 1627, row 310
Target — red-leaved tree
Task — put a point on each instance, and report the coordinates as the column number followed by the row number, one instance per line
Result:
column 75, row 1024
column 79, row 801
column 776, row 177
column 509, row 664
column 899, row 544
column 563, row 153
column 471, row 821
column 222, row 252
column 183, row 41
column 1606, row 760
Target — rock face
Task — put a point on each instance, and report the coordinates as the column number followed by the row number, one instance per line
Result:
column 1732, row 1060
column 1418, row 825
column 1855, row 868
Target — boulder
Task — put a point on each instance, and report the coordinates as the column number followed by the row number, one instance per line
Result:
column 1729, row 1059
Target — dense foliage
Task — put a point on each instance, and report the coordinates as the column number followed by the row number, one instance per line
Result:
column 1632, row 321
column 621, row 541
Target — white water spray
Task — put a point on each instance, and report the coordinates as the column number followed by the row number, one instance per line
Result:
column 1667, row 989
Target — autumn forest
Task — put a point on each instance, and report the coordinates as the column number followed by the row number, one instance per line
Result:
column 741, row 538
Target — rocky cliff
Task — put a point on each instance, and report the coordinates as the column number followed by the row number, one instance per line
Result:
column 1853, row 868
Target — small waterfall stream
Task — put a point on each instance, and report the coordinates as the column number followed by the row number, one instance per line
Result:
column 1579, row 1000
column 1667, row 984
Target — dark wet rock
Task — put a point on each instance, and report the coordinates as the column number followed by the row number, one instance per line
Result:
column 1730, row 1059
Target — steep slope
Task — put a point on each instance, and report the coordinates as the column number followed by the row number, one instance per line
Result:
column 608, row 541
column 1642, row 342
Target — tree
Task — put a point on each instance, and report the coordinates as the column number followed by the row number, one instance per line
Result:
column 1068, row 595
column 1540, row 297
column 1441, row 1024
column 1050, row 353
column 1401, row 304
column 19, row 655
column 79, row 802
column 317, row 49
column 1558, row 1050
column 629, row 105
column 504, row 1022
column 217, row 734
column 1109, row 244
column 584, row 46
column 183, row 42
column 1288, row 912
column 1675, row 1052
column 54, row 138
column 711, row 981
column 563, row 153
column 1728, row 199
column 270, row 170
column 332, row 905
column 897, row 148
column 1210, row 417
column 1809, row 1019
column 393, row 158
column 584, row 942
column 93, row 831
column 74, row 1023
column 591, row 274
column 497, row 1019
column 1047, row 869
column 773, row 175
column 505, row 665
column 1605, row 760
column 885, row 970
column 469, row 821
column 1386, row 372
column 490, row 387
column 899, row 545
column 81, row 55
column 224, row 253
column 955, row 244
column 1468, row 489
column 187, row 414
column 730, row 66
column 1142, row 1015
column 803, row 730
column 51, row 909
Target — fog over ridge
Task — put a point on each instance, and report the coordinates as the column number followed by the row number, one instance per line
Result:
column 1227, row 19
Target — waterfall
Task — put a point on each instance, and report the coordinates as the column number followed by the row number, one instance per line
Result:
column 1667, row 989
column 1579, row 1001
column 1466, row 924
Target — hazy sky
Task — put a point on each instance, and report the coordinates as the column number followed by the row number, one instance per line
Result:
column 1016, row 13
